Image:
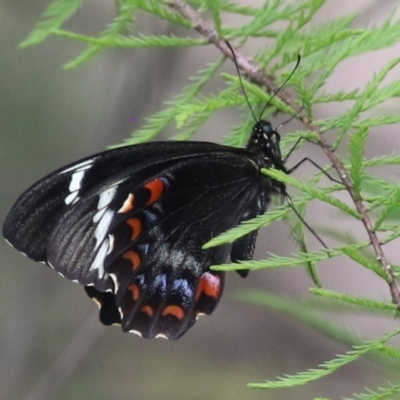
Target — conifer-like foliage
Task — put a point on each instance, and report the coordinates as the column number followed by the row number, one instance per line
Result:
column 374, row 201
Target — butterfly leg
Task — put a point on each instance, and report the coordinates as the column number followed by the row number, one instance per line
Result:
column 316, row 166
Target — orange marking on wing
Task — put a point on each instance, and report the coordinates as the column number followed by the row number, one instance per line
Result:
column 136, row 226
column 176, row 311
column 148, row 310
column 156, row 187
column 210, row 285
column 135, row 291
column 128, row 204
column 133, row 257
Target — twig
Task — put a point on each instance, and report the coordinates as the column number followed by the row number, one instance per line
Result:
column 256, row 75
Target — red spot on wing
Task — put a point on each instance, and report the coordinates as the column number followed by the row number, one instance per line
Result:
column 148, row 310
column 135, row 291
column 133, row 257
column 209, row 285
column 176, row 311
column 157, row 188
column 136, row 226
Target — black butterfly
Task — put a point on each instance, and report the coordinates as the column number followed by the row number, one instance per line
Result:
column 129, row 224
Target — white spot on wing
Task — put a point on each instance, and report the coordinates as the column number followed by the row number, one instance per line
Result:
column 106, row 197
column 71, row 198
column 98, row 262
column 114, row 278
column 199, row 315
column 103, row 217
column 9, row 243
column 84, row 165
column 102, row 228
column 110, row 244
column 76, row 180
column 161, row 336
column 98, row 215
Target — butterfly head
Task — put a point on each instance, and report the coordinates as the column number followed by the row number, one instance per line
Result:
column 266, row 139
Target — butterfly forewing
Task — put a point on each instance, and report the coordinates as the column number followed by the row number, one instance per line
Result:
column 37, row 212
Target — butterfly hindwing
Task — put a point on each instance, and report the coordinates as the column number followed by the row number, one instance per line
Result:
column 161, row 274
column 243, row 248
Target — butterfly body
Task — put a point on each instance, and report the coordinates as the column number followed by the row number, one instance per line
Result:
column 129, row 224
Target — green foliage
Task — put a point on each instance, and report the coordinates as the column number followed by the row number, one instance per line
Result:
column 328, row 367
column 356, row 154
column 363, row 302
column 135, row 41
column 381, row 394
column 322, row 47
column 215, row 6
column 122, row 22
column 54, row 16
column 157, row 122
column 300, row 259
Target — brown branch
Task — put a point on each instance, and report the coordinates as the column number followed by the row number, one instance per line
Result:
column 256, row 75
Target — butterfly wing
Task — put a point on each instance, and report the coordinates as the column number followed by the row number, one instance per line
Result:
column 161, row 274
column 72, row 195
column 140, row 215
column 243, row 248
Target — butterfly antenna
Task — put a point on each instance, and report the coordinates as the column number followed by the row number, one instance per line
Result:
column 311, row 230
column 280, row 87
column 294, row 147
column 240, row 79
column 291, row 118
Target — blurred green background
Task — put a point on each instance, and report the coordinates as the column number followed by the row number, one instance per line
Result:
column 52, row 345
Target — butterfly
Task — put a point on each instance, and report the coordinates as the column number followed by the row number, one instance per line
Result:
column 129, row 224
